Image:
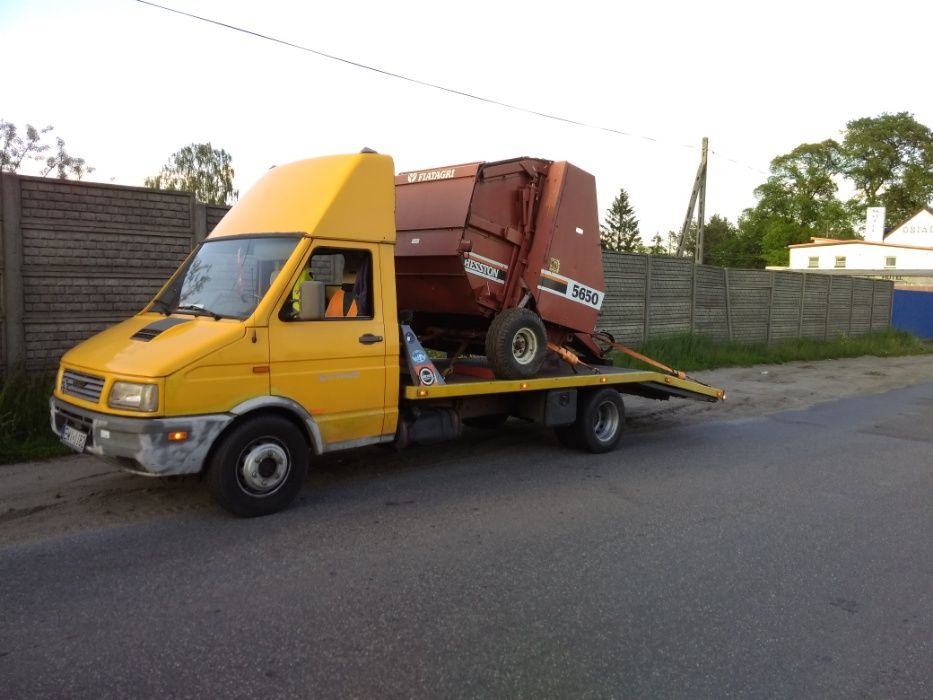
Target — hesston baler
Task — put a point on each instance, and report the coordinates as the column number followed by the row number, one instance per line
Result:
column 501, row 259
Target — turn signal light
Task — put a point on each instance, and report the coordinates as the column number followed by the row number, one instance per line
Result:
column 178, row 436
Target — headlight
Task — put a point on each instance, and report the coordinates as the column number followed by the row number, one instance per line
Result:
column 134, row 397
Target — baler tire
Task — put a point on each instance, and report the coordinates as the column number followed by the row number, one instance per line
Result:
column 259, row 467
column 516, row 344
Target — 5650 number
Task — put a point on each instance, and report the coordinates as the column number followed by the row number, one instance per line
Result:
column 585, row 294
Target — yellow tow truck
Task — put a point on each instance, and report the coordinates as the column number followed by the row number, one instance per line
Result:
column 242, row 367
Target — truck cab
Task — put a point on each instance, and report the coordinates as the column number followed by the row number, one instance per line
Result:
column 241, row 357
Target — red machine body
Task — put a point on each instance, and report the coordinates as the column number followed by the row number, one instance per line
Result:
column 478, row 238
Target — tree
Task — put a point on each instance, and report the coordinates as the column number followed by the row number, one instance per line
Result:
column 720, row 243
column 742, row 248
column 889, row 160
column 689, row 248
column 802, row 190
column 658, row 246
column 17, row 152
column 201, row 169
column 798, row 201
column 619, row 231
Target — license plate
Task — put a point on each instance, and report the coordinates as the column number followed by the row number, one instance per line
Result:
column 74, row 438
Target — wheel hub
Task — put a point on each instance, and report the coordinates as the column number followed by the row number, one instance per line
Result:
column 524, row 346
column 264, row 467
column 606, row 422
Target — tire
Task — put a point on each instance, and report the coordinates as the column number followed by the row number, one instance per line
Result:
column 599, row 425
column 496, row 420
column 516, row 344
column 259, row 467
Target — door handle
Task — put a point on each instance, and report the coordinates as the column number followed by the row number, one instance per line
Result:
column 369, row 339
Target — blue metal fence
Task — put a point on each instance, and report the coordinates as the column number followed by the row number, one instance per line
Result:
column 913, row 311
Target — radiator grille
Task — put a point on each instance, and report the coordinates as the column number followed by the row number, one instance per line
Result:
column 84, row 386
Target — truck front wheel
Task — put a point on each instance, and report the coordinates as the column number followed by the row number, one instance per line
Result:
column 516, row 344
column 599, row 424
column 259, row 467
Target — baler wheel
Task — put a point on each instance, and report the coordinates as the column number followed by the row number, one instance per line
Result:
column 516, row 344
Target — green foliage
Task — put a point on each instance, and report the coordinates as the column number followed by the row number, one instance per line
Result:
column 18, row 151
column 201, row 169
column 619, row 231
column 724, row 244
column 797, row 202
column 690, row 245
column 802, row 191
column 889, row 160
column 24, row 417
column 728, row 245
column 691, row 353
column 658, row 245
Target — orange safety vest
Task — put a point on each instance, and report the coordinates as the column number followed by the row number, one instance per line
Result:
column 342, row 304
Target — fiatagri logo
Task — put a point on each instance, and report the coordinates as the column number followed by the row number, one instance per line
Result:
column 429, row 175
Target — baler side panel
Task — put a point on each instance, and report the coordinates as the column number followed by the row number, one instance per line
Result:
column 430, row 212
column 565, row 268
column 496, row 230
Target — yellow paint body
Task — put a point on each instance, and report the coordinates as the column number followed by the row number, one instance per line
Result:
column 208, row 366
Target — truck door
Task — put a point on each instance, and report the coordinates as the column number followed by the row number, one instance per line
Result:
column 336, row 366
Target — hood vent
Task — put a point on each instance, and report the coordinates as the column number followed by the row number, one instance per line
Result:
column 149, row 332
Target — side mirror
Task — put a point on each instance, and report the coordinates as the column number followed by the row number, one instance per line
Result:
column 311, row 301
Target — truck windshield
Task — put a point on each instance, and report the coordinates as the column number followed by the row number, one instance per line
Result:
column 227, row 277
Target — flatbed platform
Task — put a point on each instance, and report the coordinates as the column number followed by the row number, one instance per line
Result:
column 650, row 384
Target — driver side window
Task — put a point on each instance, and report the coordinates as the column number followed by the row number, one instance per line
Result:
column 346, row 276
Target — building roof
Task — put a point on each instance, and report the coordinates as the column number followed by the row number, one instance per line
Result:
column 820, row 242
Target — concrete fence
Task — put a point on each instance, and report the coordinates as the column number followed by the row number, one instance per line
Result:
column 79, row 256
column 76, row 257
column 650, row 296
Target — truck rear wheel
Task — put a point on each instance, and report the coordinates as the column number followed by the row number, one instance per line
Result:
column 516, row 344
column 259, row 467
column 599, row 424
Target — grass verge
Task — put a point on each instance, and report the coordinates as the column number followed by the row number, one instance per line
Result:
column 691, row 353
column 24, row 418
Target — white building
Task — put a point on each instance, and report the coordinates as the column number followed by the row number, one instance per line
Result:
column 905, row 254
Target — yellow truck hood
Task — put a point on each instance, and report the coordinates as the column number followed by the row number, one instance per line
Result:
column 152, row 345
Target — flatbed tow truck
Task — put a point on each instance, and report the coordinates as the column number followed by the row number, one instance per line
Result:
column 244, row 364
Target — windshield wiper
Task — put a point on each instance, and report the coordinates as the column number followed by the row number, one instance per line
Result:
column 197, row 310
column 166, row 307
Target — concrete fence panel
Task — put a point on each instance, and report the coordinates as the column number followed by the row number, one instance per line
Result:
column 80, row 256
column 650, row 296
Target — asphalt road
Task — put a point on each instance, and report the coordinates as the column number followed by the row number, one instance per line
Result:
column 787, row 557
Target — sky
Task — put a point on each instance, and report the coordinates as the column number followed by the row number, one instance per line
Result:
column 126, row 84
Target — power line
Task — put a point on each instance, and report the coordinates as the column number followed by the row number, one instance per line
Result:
column 423, row 83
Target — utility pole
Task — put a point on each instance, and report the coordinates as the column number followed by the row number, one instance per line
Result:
column 699, row 192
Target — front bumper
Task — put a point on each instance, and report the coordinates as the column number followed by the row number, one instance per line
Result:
column 142, row 444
